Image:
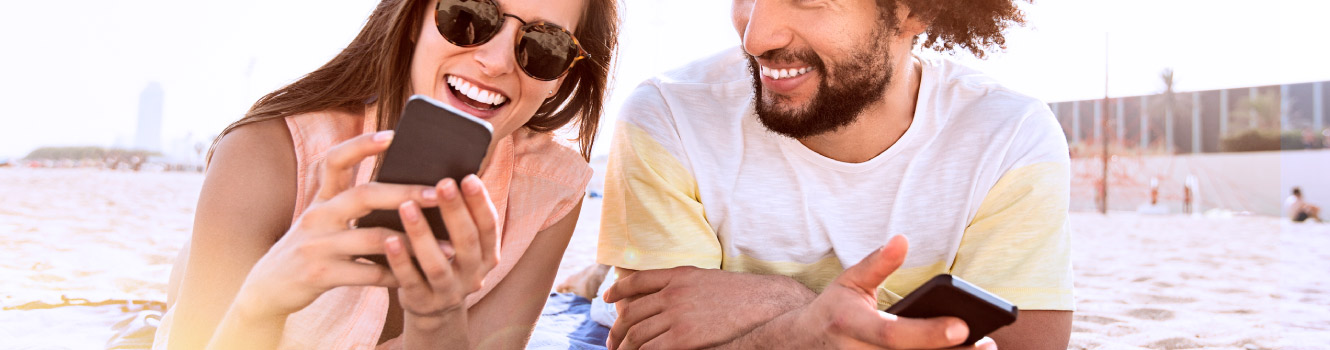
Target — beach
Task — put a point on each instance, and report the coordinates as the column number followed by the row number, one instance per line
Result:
column 1155, row 282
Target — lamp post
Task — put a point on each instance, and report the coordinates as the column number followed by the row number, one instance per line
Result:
column 1103, row 125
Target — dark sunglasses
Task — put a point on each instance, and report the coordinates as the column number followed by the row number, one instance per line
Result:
column 545, row 51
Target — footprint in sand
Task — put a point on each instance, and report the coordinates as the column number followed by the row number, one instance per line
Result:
column 1163, row 299
column 1174, row 343
column 1151, row 314
column 1096, row 319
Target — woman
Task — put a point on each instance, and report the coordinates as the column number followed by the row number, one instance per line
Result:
column 271, row 259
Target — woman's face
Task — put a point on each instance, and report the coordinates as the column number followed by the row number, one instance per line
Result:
column 438, row 65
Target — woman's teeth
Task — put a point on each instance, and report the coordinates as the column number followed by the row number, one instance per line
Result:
column 474, row 93
column 779, row 74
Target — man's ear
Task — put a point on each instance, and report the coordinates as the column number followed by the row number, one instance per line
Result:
column 911, row 23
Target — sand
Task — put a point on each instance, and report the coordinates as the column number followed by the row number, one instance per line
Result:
column 91, row 234
column 1156, row 282
column 1174, row 282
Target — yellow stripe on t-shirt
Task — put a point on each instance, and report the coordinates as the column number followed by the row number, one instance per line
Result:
column 815, row 276
column 818, row 275
column 652, row 217
column 1018, row 245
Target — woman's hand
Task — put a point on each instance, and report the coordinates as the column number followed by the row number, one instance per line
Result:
column 433, row 297
column 317, row 253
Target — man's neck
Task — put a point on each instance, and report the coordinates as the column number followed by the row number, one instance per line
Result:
column 880, row 125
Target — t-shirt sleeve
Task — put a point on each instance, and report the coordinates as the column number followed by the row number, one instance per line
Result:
column 1018, row 245
column 652, row 217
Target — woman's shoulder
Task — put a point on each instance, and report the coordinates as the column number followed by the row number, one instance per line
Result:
column 248, row 186
column 253, row 144
column 544, row 155
column 323, row 129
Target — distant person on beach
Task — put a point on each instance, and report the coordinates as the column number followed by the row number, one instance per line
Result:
column 270, row 263
column 749, row 195
column 1153, row 207
column 1312, row 140
column 1299, row 210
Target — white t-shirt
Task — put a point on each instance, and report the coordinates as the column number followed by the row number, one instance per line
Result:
column 979, row 183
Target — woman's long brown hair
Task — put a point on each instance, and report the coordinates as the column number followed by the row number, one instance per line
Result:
column 377, row 66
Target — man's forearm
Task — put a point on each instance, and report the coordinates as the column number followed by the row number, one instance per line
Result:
column 773, row 334
column 738, row 303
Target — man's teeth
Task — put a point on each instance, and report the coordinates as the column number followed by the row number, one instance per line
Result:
column 785, row 73
column 474, row 93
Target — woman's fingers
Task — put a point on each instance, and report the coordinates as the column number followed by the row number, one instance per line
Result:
column 361, row 200
column 482, row 212
column 350, row 273
column 433, row 264
column 461, row 232
column 408, row 279
column 361, row 241
column 337, row 169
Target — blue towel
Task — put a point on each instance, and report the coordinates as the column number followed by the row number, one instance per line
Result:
column 566, row 323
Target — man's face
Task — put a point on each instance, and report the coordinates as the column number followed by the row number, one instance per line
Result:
column 816, row 64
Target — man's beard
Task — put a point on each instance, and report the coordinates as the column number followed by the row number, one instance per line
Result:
column 842, row 93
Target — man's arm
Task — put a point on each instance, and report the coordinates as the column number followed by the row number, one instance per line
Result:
column 1036, row 329
column 663, row 307
column 845, row 315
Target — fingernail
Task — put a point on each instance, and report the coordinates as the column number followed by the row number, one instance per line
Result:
column 429, row 194
column 447, row 250
column 957, row 332
column 449, row 189
column 410, row 213
column 471, row 184
column 393, row 244
column 383, row 136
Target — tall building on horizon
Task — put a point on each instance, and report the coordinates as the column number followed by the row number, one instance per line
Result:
column 148, row 135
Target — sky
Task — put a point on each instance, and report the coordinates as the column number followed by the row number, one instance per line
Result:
column 73, row 70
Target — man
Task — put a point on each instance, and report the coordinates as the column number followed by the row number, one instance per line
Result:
column 741, row 187
column 1299, row 210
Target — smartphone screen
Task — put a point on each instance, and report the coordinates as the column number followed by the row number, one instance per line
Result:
column 433, row 141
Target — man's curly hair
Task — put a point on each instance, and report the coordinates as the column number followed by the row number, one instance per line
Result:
column 973, row 25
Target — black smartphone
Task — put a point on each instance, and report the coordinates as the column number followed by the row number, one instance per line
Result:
column 433, row 141
column 947, row 295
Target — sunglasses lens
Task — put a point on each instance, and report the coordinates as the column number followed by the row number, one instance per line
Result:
column 546, row 52
column 467, row 22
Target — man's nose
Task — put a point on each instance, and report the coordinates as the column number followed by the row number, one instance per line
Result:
column 767, row 28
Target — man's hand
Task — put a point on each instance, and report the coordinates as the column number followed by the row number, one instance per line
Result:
column 845, row 315
column 689, row 308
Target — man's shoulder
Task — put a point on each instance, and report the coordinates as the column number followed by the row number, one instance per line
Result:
column 721, row 78
column 968, row 98
column 707, row 94
column 962, row 86
column 721, row 68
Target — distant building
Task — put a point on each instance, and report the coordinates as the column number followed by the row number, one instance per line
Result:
column 148, row 135
column 1199, row 120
